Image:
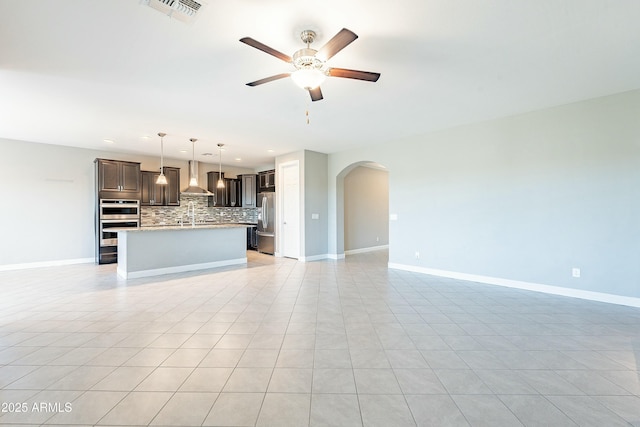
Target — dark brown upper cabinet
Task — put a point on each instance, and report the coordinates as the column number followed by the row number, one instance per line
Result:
column 234, row 192
column 249, row 190
column 267, row 181
column 172, row 189
column 219, row 197
column 118, row 179
column 161, row 195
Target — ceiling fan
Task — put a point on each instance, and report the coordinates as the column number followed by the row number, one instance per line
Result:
column 311, row 65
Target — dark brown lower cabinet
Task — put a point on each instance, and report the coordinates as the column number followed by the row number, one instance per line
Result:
column 252, row 238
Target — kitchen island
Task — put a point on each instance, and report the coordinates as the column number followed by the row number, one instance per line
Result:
column 152, row 251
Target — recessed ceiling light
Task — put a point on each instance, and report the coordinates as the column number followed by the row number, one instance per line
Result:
column 207, row 154
column 108, row 141
column 269, row 150
column 238, row 159
column 183, row 151
column 145, row 137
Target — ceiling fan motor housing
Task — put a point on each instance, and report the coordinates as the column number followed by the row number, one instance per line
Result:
column 308, row 36
column 306, row 59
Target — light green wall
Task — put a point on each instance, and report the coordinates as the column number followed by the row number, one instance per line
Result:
column 524, row 198
column 366, row 208
column 315, row 200
column 48, row 203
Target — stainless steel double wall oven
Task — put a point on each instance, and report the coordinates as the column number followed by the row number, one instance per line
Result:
column 112, row 214
column 117, row 204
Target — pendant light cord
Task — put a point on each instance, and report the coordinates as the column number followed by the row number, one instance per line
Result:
column 220, row 183
column 193, row 181
column 161, row 178
column 162, row 135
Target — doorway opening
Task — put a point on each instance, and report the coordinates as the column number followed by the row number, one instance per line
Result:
column 363, row 215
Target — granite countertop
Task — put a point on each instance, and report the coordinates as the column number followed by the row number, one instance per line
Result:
column 200, row 226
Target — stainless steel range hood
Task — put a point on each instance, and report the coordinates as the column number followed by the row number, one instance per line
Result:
column 195, row 190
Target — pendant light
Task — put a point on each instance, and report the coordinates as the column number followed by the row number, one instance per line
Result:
column 220, row 180
column 193, row 182
column 162, row 180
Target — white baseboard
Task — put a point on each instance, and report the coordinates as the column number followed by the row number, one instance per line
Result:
column 516, row 284
column 40, row 264
column 327, row 256
column 309, row 258
column 313, row 258
column 179, row 269
column 363, row 250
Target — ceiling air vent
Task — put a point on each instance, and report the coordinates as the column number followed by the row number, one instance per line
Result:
column 182, row 10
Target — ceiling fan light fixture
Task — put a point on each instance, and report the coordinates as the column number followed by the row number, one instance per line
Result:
column 308, row 78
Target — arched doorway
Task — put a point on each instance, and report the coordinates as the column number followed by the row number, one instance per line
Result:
column 362, row 208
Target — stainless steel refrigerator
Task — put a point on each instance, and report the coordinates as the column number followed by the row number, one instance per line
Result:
column 267, row 222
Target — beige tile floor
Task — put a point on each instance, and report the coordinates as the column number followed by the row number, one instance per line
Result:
column 331, row 343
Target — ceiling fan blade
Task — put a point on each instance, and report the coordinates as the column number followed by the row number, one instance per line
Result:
column 336, row 44
column 316, row 94
column 263, row 47
column 354, row 74
column 269, row 79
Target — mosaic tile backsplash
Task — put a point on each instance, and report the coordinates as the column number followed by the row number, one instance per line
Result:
column 170, row 215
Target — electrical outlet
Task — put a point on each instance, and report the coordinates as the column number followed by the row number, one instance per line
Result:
column 417, row 255
column 575, row 272
column 377, row 238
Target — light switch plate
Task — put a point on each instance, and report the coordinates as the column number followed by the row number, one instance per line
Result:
column 393, row 217
column 315, row 216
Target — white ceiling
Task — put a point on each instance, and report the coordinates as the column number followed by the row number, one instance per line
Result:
column 76, row 72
